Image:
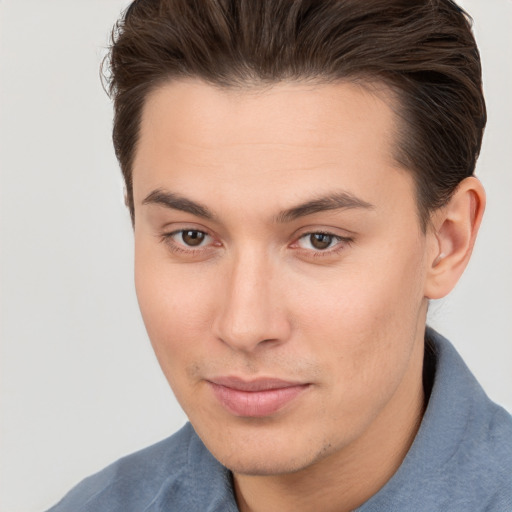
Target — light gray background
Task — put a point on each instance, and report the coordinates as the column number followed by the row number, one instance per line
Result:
column 79, row 383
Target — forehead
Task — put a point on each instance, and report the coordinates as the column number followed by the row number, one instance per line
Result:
column 291, row 137
column 294, row 113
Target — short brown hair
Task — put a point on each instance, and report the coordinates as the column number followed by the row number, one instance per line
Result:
column 424, row 50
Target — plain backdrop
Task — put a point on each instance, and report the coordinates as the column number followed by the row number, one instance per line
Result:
column 80, row 386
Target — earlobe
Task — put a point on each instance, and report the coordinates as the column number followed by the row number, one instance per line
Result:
column 453, row 234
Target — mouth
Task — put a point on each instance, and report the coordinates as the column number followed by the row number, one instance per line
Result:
column 255, row 398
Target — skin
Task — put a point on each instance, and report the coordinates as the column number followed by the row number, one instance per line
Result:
column 256, row 298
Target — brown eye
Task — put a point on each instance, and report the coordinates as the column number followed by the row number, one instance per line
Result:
column 193, row 238
column 320, row 241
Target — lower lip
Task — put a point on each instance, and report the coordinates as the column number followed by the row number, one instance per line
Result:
column 256, row 404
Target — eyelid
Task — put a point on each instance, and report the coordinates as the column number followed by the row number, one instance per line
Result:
column 324, row 230
column 173, row 228
column 305, row 236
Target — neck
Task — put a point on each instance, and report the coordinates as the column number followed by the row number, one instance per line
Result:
column 346, row 479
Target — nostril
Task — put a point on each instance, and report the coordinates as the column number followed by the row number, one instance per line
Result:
column 268, row 341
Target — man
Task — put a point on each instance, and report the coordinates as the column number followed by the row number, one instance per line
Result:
column 300, row 180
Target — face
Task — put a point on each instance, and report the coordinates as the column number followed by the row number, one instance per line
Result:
column 280, row 267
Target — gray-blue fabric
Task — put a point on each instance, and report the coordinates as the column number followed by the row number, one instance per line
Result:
column 460, row 461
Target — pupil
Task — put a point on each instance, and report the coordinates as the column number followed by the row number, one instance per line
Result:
column 320, row 241
column 192, row 237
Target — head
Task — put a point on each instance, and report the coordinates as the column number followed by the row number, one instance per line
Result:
column 296, row 173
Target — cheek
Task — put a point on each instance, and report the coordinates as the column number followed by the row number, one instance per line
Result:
column 176, row 307
column 363, row 324
column 369, row 295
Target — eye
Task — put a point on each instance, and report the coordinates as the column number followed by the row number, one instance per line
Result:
column 318, row 241
column 190, row 237
column 189, row 243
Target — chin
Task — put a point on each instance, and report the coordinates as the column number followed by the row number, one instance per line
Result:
column 264, row 455
column 265, row 465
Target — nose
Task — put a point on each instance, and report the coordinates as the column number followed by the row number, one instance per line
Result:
column 251, row 311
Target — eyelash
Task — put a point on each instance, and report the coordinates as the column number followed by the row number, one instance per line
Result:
column 342, row 243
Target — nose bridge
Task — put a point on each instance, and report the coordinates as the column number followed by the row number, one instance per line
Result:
column 249, row 312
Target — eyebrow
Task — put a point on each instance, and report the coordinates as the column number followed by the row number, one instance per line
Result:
column 177, row 202
column 335, row 201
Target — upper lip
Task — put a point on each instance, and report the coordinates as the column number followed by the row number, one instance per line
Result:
column 261, row 384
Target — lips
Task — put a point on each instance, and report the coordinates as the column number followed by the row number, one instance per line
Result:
column 255, row 398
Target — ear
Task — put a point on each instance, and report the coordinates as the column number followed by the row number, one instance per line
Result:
column 452, row 236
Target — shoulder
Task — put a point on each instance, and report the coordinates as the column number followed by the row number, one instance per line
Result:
column 170, row 471
column 466, row 439
column 479, row 469
column 461, row 458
